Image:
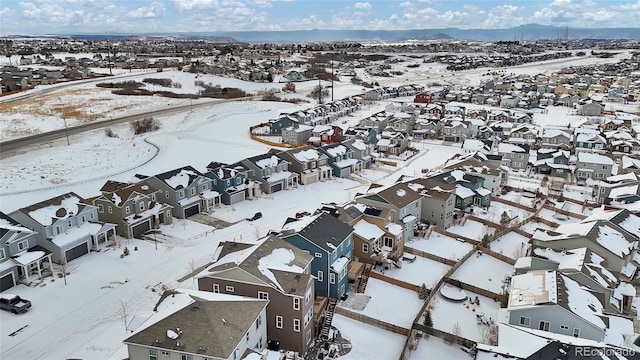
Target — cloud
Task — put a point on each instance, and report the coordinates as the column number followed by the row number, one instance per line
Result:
column 156, row 9
column 362, row 6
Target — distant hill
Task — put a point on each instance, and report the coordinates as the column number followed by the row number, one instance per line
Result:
column 523, row 32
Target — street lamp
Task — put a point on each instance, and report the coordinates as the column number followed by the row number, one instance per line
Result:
column 66, row 130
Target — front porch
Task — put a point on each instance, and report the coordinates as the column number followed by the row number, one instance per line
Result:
column 210, row 200
column 32, row 264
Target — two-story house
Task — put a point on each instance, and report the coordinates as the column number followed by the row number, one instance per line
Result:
column 296, row 134
column 593, row 166
column 330, row 241
column 516, row 157
column 361, row 151
column 438, row 201
column 271, row 171
column 190, row 324
column 341, row 159
column 20, row 255
column 552, row 162
column 186, row 190
column 232, row 182
column 590, row 142
column 135, row 208
column 310, row 164
column 66, row 226
column 273, row 270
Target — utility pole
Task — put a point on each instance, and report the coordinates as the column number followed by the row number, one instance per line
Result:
column 331, row 77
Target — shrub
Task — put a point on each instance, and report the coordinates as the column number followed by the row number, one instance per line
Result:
column 271, row 97
column 428, row 322
column 110, row 133
column 145, row 125
column 159, row 82
column 423, row 292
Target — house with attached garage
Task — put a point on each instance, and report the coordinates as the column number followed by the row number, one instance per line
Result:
column 187, row 190
column 516, row 157
column 232, row 182
column 269, row 269
column 330, row 242
column 550, row 301
column 21, row 258
column 296, row 134
column 309, row 163
column 552, row 162
column 191, row 324
column 271, row 171
column 590, row 142
column 66, row 225
column 341, row 159
column 135, row 208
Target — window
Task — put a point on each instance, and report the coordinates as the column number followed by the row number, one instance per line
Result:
column 110, row 210
column 141, row 205
column 278, row 322
column 83, row 219
column 216, row 288
column 192, row 191
column 258, row 321
column 69, row 223
column 186, row 357
column 153, row 354
column 23, row 245
column 2, row 254
column 165, row 353
column 564, row 327
column 576, row 332
column 544, row 325
column 296, row 303
column 238, row 181
column 263, row 295
column 319, row 255
column 388, row 241
column 153, row 197
column 247, row 336
column 365, row 248
column 307, row 296
column 320, row 275
column 205, row 186
column 229, row 288
column 525, row 321
column 296, row 325
column 127, row 210
column 332, row 278
column 100, row 208
column 166, row 194
column 91, row 215
column 180, row 194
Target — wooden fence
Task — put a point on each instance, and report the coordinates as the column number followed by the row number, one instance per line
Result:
column 372, row 321
column 456, row 236
column 400, row 283
column 564, row 212
column 429, row 256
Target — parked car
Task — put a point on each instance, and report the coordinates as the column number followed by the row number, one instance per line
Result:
column 14, row 303
column 255, row 216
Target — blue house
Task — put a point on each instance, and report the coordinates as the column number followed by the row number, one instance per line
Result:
column 330, row 242
column 276, row 125
column 232, row 182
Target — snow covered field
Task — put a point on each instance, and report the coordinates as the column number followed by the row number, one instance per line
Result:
column 472, row 229
column 441, row 245
column 483, row 271
column 433, row 348
column 362, row 336
column 510, row 244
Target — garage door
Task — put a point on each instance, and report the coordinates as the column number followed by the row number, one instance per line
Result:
column 7, row 282
column 140, row 229
column 276, row 187
column 76, row 252
column 192, row 210
column 237, row 197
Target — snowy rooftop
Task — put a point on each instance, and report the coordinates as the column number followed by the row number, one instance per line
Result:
column 367, row 230
column 59, row 208
column 533, row 288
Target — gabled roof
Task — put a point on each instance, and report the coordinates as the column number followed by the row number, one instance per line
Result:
column 198, row 322
column 399, row 195
column 59, row 207
column 179, row 178
column 326, row 231
column 122, row 194
column 9, row 224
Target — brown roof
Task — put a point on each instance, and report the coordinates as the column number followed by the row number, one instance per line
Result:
column 399, row 195
column 210, row 328
column 433, row 188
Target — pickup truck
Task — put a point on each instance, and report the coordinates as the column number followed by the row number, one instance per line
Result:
column 14, row 303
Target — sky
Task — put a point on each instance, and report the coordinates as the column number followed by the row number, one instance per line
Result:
column 173, row 16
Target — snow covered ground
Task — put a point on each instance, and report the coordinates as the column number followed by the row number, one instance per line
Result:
column 441, row 245
column 421, row 271
column 483, row 271
column 362, row 336
column 511, row 244
column 381, row 306
column 472, row 229
column 433, row 348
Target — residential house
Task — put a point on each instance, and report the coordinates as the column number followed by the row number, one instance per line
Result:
column 187, row 190
column 341, row 159
column 555, row 138
column 232, row 182
column 403, row 200
column 423, row 98
column 310, row 164
column 325, row 134
column 476, row 164
column 552, row 162
column 272, row 270
column 276, row 126
column 374, row 240
column 438, row 201
column 66, row 225
column 20, row 255
column 392, row 143
column 296, row 134
column 361, row 151
column 135, row 208
column 516, row 157
column 593, row 166
column 271, row 171
column 453, row 129
column 190, row 324
column 331, row 243
column 590, row 141
column 590, row 109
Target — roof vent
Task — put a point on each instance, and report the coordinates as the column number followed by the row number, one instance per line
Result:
column 180, row 344
column 202, row 348
column 224, row 321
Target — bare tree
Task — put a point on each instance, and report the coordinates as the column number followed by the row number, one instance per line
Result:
column 456, row 331
column 124, row 313
column 64, row 269
column 193, row 265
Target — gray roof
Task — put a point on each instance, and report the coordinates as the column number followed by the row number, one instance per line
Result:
column 209, row 328
column 326, row 229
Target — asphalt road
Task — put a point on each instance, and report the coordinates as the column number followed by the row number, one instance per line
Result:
column 24, row 142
